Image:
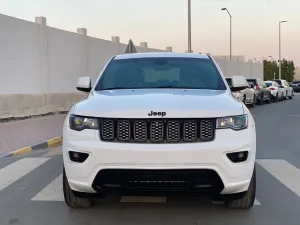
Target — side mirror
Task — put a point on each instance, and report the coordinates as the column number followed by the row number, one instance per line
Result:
column 239, row 83
column 84, row 84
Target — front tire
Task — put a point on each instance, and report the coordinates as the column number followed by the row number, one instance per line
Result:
column 261, row 100
column 269, row 99
column 244, row 100
column 248, row 200
column 71, row 200
column 281, row 98
column 276, row 98
column 285, row 97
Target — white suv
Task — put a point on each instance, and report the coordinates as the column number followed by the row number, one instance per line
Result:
column 287, row 89
column 162, row 124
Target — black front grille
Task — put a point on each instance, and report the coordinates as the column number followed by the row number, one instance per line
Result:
column 157, row 180
column 157, row 130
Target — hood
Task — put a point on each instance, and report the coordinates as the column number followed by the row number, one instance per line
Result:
column 175, row 103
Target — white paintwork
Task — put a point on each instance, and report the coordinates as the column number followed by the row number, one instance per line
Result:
column 138, row 103
column 246, row 95
column 287, row 90
column 256, row 202
column 52, row 192
column 84, row 82
column 286, row 173
column 176, row 103
column 18, row 169
column 161, row 54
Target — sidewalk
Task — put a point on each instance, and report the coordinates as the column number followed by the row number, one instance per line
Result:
column 17, row 134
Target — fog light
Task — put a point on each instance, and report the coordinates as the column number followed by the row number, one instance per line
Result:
column 79, row 157
column 237, row 157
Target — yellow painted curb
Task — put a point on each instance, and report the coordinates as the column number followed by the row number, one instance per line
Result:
column 22, row 151
column 42, row 145
column 54, row 141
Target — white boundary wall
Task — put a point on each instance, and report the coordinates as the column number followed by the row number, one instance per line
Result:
column 37, row 60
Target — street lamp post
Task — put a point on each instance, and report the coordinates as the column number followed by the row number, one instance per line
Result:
column 225, row 9
column 279, row 61
column 189, row 27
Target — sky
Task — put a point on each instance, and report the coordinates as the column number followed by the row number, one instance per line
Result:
column 161, row 23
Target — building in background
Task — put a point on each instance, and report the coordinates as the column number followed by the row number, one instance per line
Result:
column 240, row 58
column 297, row 73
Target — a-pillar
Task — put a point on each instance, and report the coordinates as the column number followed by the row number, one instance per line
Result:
column 83, row 40
column 44, row 81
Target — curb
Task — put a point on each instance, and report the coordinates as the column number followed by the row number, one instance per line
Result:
column 41, row 145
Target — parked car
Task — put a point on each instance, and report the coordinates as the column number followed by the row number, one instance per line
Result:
column 262, row 93
column 247, row 95
column 287, row 90
column 192, row 136
column 295, row 82
column 276, row 91
column 296, row 87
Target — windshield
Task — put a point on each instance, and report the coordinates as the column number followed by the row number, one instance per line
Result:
column 279, row 82
column 252, row 81
column 155, row 72
column 268, row 84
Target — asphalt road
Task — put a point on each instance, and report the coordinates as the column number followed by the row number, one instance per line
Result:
column 31, row 192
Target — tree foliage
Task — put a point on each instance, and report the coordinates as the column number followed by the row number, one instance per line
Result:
column 271, row 68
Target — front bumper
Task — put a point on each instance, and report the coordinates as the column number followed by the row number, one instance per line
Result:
column 210, row 156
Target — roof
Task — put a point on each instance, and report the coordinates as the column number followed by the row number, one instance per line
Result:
column 161, row 54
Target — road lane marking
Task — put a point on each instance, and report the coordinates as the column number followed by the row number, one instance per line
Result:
column 256, row 202
column 283, row 171
column 52, row 192
column 18, row 169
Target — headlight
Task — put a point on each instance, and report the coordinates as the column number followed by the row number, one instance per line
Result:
column 233, row 122
column 81, row 122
